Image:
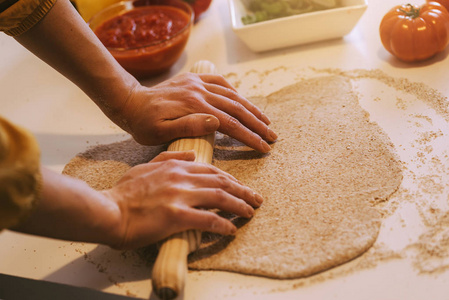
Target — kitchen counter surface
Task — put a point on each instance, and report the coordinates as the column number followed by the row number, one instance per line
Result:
column 410, row 260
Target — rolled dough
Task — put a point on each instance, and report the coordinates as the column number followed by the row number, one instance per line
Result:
column 321, row 182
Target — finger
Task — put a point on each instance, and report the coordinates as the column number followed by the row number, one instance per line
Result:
column 216, row 79
column 245, row 117
column 207, row 221
column 215, row 198
column 232, row 127
column 235, row 96
column 190, row 126
column 204, row 168
column 179, row 155
column 229, row 185
column 148, row 168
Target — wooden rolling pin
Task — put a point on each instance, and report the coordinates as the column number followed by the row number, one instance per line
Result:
column 170, row 268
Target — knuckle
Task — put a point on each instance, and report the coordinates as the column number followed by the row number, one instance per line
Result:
column 164, row 156
column 213, row 222
column 232, row 123
column 170, row 163
column 222, row 80
column 191, row 99
column 174, row 212
column 238, row 106
column 184, row 79
column 249, row 194
column 194, row 101
column 141, row 182
column 173, row 170
column 174, row 176
column 223, row 181
column 221, row 195
column 220, row 77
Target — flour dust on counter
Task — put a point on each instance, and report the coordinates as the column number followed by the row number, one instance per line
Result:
column 322, row 181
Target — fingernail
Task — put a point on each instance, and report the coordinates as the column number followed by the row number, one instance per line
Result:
column 233, row 230
column 211, row 124
column 250, row 211
column 258, row 198
column 191, row 154
column 273, row 136
column 265, row 119
column 266, row 148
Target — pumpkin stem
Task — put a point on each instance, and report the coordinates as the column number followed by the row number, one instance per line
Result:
column 410, row 11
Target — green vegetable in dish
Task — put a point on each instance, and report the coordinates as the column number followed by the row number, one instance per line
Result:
column 263, row 10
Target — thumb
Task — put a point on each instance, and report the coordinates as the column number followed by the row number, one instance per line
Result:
column 191, row 125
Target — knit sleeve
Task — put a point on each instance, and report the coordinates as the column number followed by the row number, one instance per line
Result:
column 17, row 16
column 20, row 177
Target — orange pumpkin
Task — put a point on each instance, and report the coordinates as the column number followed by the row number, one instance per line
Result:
column 445, row 3
column 413, row 33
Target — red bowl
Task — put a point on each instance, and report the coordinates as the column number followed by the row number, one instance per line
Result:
column 136, row 35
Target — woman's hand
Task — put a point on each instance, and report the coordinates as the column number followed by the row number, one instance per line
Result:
column 167, row 195
column 194, row 105
column 149, row 203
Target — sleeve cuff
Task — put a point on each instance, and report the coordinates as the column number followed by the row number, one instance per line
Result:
column 17, row 20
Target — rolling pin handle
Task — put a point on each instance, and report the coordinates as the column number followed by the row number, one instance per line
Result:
column 170, row 267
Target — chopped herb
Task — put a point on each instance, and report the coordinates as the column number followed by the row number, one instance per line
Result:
column 263, row 10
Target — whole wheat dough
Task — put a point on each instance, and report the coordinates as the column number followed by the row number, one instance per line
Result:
column 321, row 181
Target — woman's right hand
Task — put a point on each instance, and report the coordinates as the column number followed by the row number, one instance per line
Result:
column 191, row 105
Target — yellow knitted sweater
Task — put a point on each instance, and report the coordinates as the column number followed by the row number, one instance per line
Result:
column 17, row 16
column 20, row 177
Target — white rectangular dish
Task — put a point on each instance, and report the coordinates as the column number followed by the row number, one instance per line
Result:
column 297, row 29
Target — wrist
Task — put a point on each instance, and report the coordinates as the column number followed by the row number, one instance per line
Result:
column 112, row 95
column 111, row 229
column 69, row 209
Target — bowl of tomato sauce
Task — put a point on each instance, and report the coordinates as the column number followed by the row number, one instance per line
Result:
column 146, row 37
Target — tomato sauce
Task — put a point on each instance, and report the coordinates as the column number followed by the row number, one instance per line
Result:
column 127, row 36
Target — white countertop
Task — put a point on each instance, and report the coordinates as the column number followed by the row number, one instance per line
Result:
column 66, row 122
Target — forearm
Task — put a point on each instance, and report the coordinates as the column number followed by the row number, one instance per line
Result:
column 64, row 41
column 69, row 209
